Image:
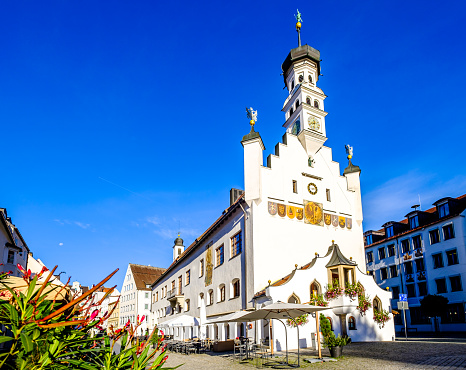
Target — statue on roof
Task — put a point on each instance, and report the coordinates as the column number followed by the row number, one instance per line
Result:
column 252, row 114
column 349, row 151
column 298, row 16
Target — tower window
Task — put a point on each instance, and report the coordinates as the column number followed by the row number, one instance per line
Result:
column 297, row 104
column 295, row 186
column 308, row 100
column 292, row 85
column 310, row 78
column 316, row 104
column 328, row 195
column 301, row 78
column 291, row 111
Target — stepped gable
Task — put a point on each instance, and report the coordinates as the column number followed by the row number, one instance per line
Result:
column 145, row 275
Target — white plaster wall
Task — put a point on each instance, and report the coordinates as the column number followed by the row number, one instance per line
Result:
column 280, row 242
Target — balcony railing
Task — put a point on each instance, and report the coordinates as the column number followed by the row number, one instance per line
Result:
column 174, row 293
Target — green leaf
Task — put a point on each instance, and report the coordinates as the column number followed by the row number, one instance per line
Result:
column 27, row 342
column 4, row 339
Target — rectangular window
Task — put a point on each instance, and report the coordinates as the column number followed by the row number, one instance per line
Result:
column 146, row 295
column 405, row 246
column 369, row 239
column 211, row 297
column 452, row 257
column 422, row 288
column 411, row 290
column 383, row 273
column 295, row 186
column 393, row 271
column 166, row 289
column 441, row 285
column 219, row 255
column 156, row 296
column 448, row 232
column 413, row 222
column 381, row 253
column 201, row 268
column 455, row 283
column 417, row 316
column 438, row 260
column 327, row 191
column 395, row 291
column 370, row 257
column 420, row 264
column 146, row 306
column 188, row 305
column 434, row 236
column 455, row 313
column 408, row 267
column 443, row 210
column 417, row 242
column 188, row 277
column 389, row 231
column 11, row 257
column 236, row 289
column 180, row 282
column 236, row 244
column 391, row 250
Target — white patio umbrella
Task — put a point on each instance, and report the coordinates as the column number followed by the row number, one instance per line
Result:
column 202, row 320
column 280, row 310
column 232, row 317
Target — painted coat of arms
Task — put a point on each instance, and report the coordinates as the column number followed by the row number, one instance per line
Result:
column 299, row 213
column 341, row 221
column 334, row 220
column 281, row 210
column 272, row 208
column 327, row 219
column 349, row 223
column 313, row 213
column 291, row 211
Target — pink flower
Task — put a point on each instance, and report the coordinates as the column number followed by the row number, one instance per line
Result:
column 94, row 314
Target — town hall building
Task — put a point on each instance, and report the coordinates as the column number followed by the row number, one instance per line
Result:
column 295, row 231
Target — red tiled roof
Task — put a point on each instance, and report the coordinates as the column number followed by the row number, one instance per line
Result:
column 145, row 275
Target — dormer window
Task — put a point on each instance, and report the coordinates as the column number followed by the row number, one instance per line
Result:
column 316, row 104
column 369, row 239
column 443, row 210
column 414, row 222
column 389, row 231
column 301, row 78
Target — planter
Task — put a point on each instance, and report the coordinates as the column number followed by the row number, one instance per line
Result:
column 336, row 351
column 343, row 305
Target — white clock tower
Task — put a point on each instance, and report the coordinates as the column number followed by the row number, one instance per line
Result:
column 304, row 106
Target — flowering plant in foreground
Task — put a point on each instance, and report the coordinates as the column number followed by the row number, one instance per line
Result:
column 381, row 317
column 49, row 329
column 300, row 321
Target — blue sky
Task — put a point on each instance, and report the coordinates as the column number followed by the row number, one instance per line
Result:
column 121, row 122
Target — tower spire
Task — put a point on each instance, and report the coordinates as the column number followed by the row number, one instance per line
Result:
column 298, row 26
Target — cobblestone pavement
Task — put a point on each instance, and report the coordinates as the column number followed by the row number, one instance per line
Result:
column 413, row 354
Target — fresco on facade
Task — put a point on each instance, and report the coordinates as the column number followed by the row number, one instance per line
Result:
column 209, row 266
column 313, row 213
column 272, row 208
column 281, row 210
column 299, row 213
column 291, row 211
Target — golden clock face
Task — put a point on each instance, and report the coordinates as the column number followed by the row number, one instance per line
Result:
column 312, row 188
column 314, row 123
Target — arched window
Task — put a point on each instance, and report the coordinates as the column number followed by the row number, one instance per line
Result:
column 297, row 104
column 310, row 78
column 235, row 288
column 179, row 309
column 211, row 297
column 331, row 322
column 294, row 299
column 200, row 300
column 221, row 293
column 291, row 111
column 377, row 304
column 187, row 305
column 207, row 331
column 351, row 323
column 292, row 85
column 301, row 78
column 316, row 104
column 315, row 289
column 308, row 100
